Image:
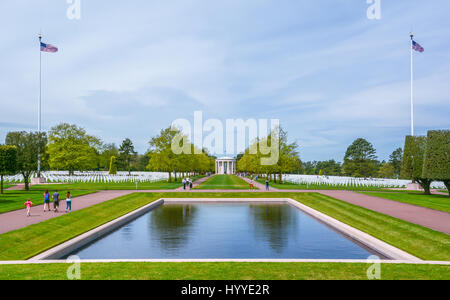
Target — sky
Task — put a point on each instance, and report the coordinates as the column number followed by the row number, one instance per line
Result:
column 127, row 69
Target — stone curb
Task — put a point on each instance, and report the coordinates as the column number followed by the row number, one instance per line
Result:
column 353, row 233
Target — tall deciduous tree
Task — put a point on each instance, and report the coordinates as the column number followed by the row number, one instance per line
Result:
column 71, row 148
column 106, row 152
column 288, row 159
column 437, row 157
column 387, row 170
column 161, row 156
column 413, row 158
column 8, row 162
column 127, row 154
column 28, row 147
column 360, row 159
column 395, row 159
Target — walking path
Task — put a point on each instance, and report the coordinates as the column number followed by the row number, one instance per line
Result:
column 258, row 185
column 194, row 185
column 17, row 219
column 17, row 187
column 434, row 219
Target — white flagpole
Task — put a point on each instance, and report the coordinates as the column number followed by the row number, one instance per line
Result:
column 412, row 85
column 39, row 105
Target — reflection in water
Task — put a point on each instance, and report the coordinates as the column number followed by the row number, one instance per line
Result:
column 170, row 226
column 226, row 231
column 274, row 224
column 127, row 232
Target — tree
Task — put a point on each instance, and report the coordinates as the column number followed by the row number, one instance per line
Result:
column 8, row 162
column 127, row 154
column 106, row 151
column 310, row 167
column 288, row 160
column 113, row 166
column 437, row 157
column 360, row 159
column 413, row 159
column 28, row 147
column 329, row 167
column 161, row 156
column 387, row 170
column 71, row 148
column 396, row 160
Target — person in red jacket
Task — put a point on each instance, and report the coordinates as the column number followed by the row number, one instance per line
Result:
column 28, row 204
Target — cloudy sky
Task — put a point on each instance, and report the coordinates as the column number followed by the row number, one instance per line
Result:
column 129, row 68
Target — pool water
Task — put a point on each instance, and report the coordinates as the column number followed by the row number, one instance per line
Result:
column 224, row 231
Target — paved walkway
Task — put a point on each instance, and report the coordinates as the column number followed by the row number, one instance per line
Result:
column 194, row 185
column 17, row 187
column 258, row 185
column 17, row 219
column 434, row 219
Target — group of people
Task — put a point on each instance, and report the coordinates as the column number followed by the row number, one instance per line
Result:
column 56, row 199
column 188, row 183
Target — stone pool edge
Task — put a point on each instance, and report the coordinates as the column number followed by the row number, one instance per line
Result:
column 369, row 241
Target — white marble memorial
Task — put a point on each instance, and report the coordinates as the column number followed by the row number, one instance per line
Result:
column 226, row 165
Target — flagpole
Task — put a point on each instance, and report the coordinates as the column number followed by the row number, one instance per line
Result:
column 39, row 105
column 412, row 85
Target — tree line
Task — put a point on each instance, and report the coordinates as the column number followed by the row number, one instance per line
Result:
column 68, row 147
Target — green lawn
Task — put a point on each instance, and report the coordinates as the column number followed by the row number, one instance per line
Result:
column 224, row 182
column 14, row 200
column 293, row 186
column 417, row 240
column 438, row 202
column 160, row 185
column 224, row 271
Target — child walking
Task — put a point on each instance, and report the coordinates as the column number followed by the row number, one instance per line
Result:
column 68, row 202
column 28, row 204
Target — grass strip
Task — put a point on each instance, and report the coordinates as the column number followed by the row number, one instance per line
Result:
column 225, row 271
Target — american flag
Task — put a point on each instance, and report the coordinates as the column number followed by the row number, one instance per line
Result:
column 417, row 47
column 48, row 48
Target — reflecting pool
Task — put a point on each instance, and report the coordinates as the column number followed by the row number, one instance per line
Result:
column 238, row 230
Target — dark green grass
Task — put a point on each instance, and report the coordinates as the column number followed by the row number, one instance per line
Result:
column 14, row 200
column 224, row 182
column 293, row 186
column 225, row 271
column 438, row 202
column 420, row 241
column 160, row 185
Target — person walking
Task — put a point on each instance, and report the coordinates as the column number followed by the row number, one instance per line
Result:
column 28, row 204
column 191, row 185
column 55, row 201
column 68, row 202
column 267, row 185
column 46, row 201
column 184, row 183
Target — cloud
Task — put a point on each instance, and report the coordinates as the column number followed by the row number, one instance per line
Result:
column 329, row 74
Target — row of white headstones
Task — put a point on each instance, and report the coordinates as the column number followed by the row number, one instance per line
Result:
column 97, row 177
column 353, row 181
